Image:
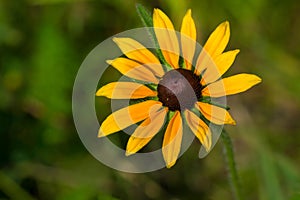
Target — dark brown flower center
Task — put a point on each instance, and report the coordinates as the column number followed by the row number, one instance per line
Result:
column 179, row 89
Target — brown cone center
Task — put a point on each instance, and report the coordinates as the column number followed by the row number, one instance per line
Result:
column 179, row 89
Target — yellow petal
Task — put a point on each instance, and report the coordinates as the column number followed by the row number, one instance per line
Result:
column 127, row 116
column 188, row 38
column 166, row 36
column 204, row 61
column 231, row 85
column 218, row 40
column 134, row 69
column 215, row 114
column 214, row 46
column 215, row 69
column 125, row 90
column 211, row 72
column 225, row 60
column 172, row 140
column 146, row 131
column 199, row 128
column 136, row 51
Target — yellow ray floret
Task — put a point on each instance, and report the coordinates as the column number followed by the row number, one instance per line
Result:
column 199, row 128
column 146, row 131
column 125, row 90
column 172, row 140
column 215, row 114
column 218, row 40
column 216, row 68
column 231, row 85
column 167, row 38
column 225, row 60
column 214, row 46
column 136, row 70
column 188, row 38
column 136, row 51
column 127, row 116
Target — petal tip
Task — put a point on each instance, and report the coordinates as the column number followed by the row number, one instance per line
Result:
column 226, row 26
column 99, row 92
column 171, row 164
column 233, row 122
column 207, row 147
column 118, row 40
column 128, row 153
column 157, row 10
column 236, row 51
column 100, row 133
column 259, row 79
column 115, row 39
column 256, row 79
column 109, row 62
column 189, row 12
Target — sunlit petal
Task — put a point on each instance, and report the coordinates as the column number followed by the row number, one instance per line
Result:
column 172, row 140
column 199, row 128
column 125, row 90
column 134, row 69
column 225, row 60
column 127, row 116
column 218, row 40
column 146, row 131
column 215, row 114
column 231, row 85
column 204, row 61
column 214, row 46
column 136, row 51
column 166, row 36
column 188, row 38
column 216, row 68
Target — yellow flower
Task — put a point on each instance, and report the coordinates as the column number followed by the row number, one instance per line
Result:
column 179, row 92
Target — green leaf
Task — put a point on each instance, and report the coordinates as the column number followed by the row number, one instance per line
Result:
column 270, row 177
column 147, row 20
column 144, row 15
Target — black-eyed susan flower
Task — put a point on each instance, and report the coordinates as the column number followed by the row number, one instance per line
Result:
column 179, row 93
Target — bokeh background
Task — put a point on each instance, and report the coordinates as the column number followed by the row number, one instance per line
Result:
column 42, row 45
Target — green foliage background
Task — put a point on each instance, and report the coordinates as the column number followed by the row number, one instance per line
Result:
column 42, row 44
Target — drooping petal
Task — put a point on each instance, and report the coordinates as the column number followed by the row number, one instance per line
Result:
column 127, row 116
column 134, row 69
column 218, row 40
column 214, row 46
column 146, row 131
column 166, row 36
column 231, row 85
column 188, row 38
column 215, row 114
column 125, row 90
column 172, row 140
column 199, row 128
column 136, row 51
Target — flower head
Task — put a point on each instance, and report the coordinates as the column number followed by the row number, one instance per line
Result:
column 179, row 90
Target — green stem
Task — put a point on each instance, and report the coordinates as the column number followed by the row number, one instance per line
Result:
column 233, row 175
column 148, row 22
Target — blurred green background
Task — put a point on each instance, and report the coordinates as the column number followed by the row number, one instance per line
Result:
column 42, row 45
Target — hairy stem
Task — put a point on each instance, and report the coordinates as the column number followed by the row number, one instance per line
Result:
column 233, row 175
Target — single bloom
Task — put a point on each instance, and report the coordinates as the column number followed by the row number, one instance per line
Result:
column 176, row 90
